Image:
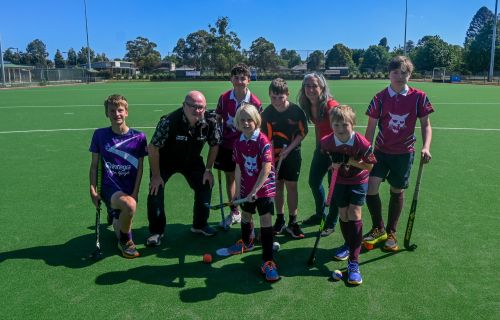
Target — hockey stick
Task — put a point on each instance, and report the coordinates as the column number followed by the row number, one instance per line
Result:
column 312, row 257
column 223, row 218
column 413, row 210
column 97, row 254
column 226, row 204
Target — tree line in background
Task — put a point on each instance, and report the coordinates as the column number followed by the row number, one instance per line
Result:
column 217, row 49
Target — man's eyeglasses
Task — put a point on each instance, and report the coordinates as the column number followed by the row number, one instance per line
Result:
column 195, row 106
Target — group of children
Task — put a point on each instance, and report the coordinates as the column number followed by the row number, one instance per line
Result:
column 260, row 155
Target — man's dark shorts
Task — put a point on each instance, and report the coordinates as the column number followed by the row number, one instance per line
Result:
column 396, row 168
column 290, row 167
column 346, row 194
column 263, row 205
column 224, row 160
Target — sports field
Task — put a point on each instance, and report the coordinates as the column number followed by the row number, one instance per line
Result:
column 46, row 221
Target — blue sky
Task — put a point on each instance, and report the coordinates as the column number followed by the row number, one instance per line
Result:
column 299, row 25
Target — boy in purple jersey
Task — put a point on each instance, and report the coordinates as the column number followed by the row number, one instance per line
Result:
column 352, row 156
column 228, row 104
column 395, row 111
column 255, row 181
column 285, row 125
column 121, row 151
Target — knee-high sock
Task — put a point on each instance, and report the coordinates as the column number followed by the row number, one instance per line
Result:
column 246, row 230
column 395, row 208
column 355, row 238
column 266, row 237
column 375, row 207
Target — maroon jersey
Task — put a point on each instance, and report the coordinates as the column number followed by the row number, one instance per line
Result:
column 250, row 155
column 357, row 147
column 397, row 116
column 322, row 125
column 226, row 109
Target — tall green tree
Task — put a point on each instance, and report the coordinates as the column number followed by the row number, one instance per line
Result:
column 339, row 56
column 142, row 52
column 263, row 54
column 375, row 58
column 224, row 46
column 477, row 54
column 291, row 57
column 316, row 60
column 101, row 57
column 357, row 56
column 72, row 59
column 82, row 56
column 59, row 60
column 193, row 50
column 383, row 43
column 432, row 52
column 12, row 56
column 482, row 17
column 36, row 53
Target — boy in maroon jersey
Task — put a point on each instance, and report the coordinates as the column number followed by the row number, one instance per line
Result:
column 395, row 111
column 352, row 156
column 255, row 181
column 228, row 104
column 285, row 124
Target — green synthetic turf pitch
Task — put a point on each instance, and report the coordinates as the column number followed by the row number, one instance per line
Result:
column 47, row 221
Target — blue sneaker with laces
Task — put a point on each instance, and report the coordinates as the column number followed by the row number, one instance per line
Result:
column 270, row 271
column 353, row 274
column 240, row 247
column 342, row 253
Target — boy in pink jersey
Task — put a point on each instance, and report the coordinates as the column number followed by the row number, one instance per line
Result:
column 395, row 111
column 228, row 104
column 255, row 181
column 121, row 151
column 352, row 156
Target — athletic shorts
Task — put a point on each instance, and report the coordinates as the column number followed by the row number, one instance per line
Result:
column 224, row 160
column 290, row 167
column 263, row 205
column 106, row 194
column 396, row 168
column 346, row 194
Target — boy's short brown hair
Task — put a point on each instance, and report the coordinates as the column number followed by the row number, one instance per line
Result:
column 343, row 113
column 401, row 63
column 240, row 68
column 278, row 86
column 115, row 100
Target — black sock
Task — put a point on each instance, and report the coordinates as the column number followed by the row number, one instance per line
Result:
column 246, row 230
column 280, row 217
column 292, row 219
column 124, row 237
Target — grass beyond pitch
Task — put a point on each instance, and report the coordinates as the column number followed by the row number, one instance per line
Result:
column 47, row 218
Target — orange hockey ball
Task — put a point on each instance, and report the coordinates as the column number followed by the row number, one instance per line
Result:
column 207, row 258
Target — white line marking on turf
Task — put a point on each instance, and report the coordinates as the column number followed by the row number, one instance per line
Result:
column 142, row 128
column 69, row 113
column 264, row 103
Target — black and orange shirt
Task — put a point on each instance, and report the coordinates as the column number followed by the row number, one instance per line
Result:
column 282, row 127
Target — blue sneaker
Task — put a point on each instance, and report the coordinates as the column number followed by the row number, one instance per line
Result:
column 342, row 253
column 270, row 271
column 240, row 247
column 353, row 274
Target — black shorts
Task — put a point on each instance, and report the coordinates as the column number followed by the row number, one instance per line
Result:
column 290, row 167
column 263, row 205
column 396, row 168
column 224, row 160
column 346, row 194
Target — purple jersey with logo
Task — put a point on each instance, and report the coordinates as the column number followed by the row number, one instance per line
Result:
column 397, row 115
column 226, row 109
column 120, row 156
column 357, row 147
column 249, row 155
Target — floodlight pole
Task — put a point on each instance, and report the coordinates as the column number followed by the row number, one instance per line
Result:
column 87, row 32
column 493, row 41
column 1, row 62
column 406, row 22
